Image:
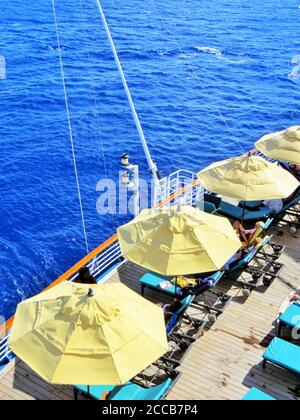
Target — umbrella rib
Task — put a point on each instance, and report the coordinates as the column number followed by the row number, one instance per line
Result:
column 50, row 379
column 112, row 353
column 120, row 348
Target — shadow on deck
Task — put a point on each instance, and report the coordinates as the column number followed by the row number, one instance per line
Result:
column 224, row 362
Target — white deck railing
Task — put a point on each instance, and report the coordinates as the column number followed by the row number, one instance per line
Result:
column 4, row 350
column 258, row 153
column 181, row 184
column 176, row 182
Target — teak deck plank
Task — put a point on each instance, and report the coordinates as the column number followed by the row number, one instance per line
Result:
column 224, row 363
column 221, row 365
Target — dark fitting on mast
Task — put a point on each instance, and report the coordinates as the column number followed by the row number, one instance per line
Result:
column 125, row 160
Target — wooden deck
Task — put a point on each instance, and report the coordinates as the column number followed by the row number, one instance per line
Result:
column 18, row 382
column 224, row 363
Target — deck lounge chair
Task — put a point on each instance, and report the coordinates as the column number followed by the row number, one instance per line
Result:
column 207, row 207
column 251, row 205
column 236, row 268
column 237, row 213
column 270, row 251
column 283, row 354
column 252, row 213
column 290, row 318
column 210, row 298
column 210, row 203
column 128, row 392
column 176, row 321
column 255, row 394
column 179, row 314
column 286, row 166
column 182, row 331
column 206, row 286
column 154, row 282
column 275, row 251
column 289, row 206
column 290, row 214
column 233, row 270
column 212, row 199
column 267, row 270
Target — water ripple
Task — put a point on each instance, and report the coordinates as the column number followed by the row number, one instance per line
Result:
column 184, row 65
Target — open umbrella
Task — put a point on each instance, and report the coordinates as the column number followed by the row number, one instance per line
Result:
column 283, row 146
column 248, row 178
column 178, row 241
column 74, row 334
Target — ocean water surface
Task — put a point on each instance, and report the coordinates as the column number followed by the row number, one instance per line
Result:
column 208, row 79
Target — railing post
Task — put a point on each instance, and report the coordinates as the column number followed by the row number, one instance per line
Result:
column 109, row 253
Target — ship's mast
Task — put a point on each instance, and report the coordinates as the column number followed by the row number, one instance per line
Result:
column 151, row 162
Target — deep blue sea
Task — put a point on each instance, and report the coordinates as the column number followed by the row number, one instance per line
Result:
column 208, row 79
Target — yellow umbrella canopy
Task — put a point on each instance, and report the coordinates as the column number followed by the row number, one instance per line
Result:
column 103, row 335
column 178, row 241
column 248, row 178
column 283, row 145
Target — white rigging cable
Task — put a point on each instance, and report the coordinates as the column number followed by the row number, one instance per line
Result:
column 151, row 163
column 93, row 85
column 70, row 126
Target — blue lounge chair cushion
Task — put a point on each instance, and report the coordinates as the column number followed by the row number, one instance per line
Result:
column 185, row 303
column 236, row 212
column 250, row 205
column 176, row 317
column 129, row 392
column 256, row 395
column 137, row 393
column 291, row 316
column 231, row 210
column 268, row 224
column 216, row 277
column 291, row 203
column 209, row 207
column 96, row 391
column 235, row 264
column 153, row 281
column 206, row 206
column 283, row 354
column 258, row 215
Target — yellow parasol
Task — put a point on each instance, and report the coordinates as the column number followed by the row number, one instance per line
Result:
column 248, row 178
column 283, row 145
column 178, row 241
column 75, row 334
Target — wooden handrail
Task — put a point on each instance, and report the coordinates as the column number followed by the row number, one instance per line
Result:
column 8, row 324
column 179, row 192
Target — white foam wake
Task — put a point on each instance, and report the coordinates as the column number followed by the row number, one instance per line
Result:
column 211, row 50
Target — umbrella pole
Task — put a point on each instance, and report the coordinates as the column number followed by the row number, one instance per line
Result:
column 89, row 392
column 243, row 215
